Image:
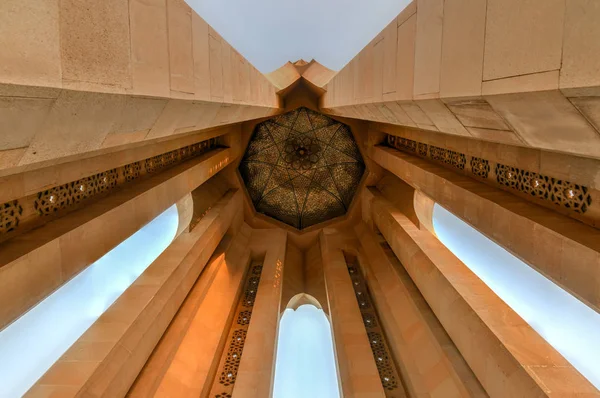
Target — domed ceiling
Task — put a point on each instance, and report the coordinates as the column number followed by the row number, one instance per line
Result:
column 302, row 168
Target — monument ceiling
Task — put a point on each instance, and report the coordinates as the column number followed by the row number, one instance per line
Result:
column 302, row 168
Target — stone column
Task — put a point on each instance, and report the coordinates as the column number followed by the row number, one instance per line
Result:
column 356, row 367
column 508, row 357
column 132, row 326
column 257, row 366
column 559, row 247
column 429, row 362
column 184, row 362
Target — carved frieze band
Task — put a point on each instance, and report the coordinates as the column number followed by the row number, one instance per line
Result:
column 68, row 196
column 570, row 196
column 381, row 353
column 232, row 355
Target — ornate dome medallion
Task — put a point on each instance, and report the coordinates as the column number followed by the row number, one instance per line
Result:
column 302, row 168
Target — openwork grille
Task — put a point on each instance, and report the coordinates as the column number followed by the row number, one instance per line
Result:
column 9, row 216
column 385, row 364
column 66, row 197
column 562, row 193
column 302, row 168
column 230, row 360
column 568, row 195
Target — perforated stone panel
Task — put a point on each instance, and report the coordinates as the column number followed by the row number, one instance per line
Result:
column 302, row 168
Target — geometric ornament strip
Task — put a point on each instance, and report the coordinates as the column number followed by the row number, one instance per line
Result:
column 386, row 367
column 568, row 195
column 232, row 355
column 36, row 209
column 302, row 168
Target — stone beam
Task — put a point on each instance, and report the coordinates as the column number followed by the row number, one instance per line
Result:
column 508, row 71
column 506, row 355
column 565, row 250
column 184, row 361
column 359, row 377
column 430, row 363
column 130, row 329
column 34, row 264
column 257, row 366
column 79, row 76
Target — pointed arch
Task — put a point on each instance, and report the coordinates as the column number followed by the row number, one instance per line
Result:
column 305, row 364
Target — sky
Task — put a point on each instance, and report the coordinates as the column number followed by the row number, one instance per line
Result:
column 31, row 344
column 305, row 363
column 269, row 33
column 569, row 325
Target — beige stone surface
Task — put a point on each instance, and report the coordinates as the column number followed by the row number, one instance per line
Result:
column 557, row 123
column 589, row 108
column 216, row 68
column 522, row 228
column 139, row 114
column 542, row 81
column 506, row 355
column 476, row 113
column 30, row 180
column 25, row 117
column 503, row 136
column 185, row 358
column 390, row 42
column 78, row 122
column 356, row 366
column 440, row 115
column 95, row 44
column 523, row 37
column 257, row 366
column 581, row 52
column 462, row 48
column 417, row 115
column 137, row 320
column 181, row 57
column 227, row 65
column 428, row 46
column 176, row 114
column 150, row 73
column 427, row 355
column 78, row 239
column 405, row 59
column 29, row 39
column 11, row 157
column 201, row 53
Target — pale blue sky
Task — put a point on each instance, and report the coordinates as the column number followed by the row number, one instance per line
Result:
column 570, row 326
column 271, row 32
column 31, row 344
column 305, row 364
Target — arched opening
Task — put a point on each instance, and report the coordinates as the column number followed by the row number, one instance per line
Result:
column 566, row 323
column 305, row 365
column 35, row 341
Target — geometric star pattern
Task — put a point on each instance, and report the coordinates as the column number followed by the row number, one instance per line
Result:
column 302, row 168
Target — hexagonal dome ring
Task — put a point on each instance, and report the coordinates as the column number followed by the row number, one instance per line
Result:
column 302, row 168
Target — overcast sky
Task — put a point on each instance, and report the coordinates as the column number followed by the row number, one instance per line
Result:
column 271, row 32
column 569, row 325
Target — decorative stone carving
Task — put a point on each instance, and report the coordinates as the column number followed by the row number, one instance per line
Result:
column 69, row 196
column 302, row 168
column 568, row 195
column 385, row 364
column 230, row 359
column 10, row 214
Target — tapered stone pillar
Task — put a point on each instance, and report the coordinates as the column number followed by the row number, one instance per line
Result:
column 130, row 329
column 508, row 357
column 559, row 247
column 257, row 366
column 358, row 373
column 184, row 363
column 429, row 362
